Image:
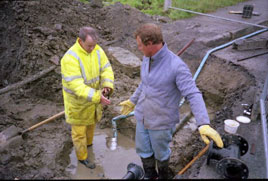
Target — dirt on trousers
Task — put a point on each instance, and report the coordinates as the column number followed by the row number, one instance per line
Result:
column 35, row 33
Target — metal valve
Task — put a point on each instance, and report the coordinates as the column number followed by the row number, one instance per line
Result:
column 228, row 160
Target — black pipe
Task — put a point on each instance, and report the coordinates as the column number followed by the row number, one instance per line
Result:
column 229, row 164
column 134, row 171
column 252, row 56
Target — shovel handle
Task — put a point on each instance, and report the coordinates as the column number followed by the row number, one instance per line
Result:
column 202, row 152
column 44, row 122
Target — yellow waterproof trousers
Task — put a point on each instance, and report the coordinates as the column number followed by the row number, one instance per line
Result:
column 82, row 137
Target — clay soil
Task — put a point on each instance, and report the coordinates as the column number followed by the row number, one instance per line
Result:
column 33, row 33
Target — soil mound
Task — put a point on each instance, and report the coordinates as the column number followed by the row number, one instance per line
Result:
column 34, row 34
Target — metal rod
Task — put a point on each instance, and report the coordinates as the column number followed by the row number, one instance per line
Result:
column 167, row 4
column 252, row 56
column 264, row 122
column 185, row 47
column 218, row 17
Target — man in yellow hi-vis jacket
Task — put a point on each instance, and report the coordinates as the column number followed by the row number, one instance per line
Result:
column 87, row 80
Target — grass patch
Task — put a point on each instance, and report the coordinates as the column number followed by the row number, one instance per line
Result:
column 155, row 7
column 84, row 1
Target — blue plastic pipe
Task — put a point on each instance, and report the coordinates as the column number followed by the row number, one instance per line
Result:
column 195, row 75
column 218, row 48
column 223, row 46
column 118, row 118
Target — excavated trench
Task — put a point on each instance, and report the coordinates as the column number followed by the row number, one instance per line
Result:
column 47, row 152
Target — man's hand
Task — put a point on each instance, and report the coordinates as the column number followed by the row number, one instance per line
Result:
column 127, row 107
column 106, row 91
column 104, row 101
column 206, row 131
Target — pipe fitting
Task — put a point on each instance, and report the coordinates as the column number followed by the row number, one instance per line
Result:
column 228, row 160
column 134, row 171
column 246, row 112
column 114, row 128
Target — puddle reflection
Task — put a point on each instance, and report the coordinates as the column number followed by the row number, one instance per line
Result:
column 110, row 164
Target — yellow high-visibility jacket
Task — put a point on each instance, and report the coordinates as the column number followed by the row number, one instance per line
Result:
column 83, row 76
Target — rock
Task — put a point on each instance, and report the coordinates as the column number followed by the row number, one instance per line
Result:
column 251, row 44
column 129, row 63
column 9, row 133
column 58, row 27
column 55, row 59
column 96, row 3
column 12, row 143
column 214, row 41
column 44, row 30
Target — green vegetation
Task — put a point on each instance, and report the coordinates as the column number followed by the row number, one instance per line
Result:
column 84, row 1
column 155, row 7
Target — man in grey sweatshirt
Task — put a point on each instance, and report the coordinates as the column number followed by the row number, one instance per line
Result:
column 165, row 79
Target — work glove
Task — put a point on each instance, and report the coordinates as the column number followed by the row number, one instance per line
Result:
column 206, row 131
column 127, row 107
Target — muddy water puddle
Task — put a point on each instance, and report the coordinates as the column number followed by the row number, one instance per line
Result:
column 110, row 164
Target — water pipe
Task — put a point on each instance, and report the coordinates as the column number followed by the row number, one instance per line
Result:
column 117, row 118
column 114, row 128
column 228, row 162
column 218, row 48
column 223, row 46
column 218, row 17
column 114, row 139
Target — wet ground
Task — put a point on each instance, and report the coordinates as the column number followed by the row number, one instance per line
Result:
column 110, row 164
column 47, row 152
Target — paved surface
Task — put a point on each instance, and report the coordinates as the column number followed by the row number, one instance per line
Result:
column 258, row 66
column 214, row 32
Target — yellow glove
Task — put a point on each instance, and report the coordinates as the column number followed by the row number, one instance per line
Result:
column 127, row 107
column 206, row 131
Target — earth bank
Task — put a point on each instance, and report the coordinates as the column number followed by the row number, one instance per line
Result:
column 36, row 33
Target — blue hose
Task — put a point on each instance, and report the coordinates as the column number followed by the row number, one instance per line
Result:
column 195, row 75
column 218, row 48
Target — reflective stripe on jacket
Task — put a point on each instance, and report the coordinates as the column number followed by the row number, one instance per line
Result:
column 158, row 95
column 83, row 76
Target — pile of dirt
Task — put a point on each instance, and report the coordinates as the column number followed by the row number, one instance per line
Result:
column 34, row 33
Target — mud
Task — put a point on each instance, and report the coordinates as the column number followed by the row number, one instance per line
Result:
column 110, row 163
column 35, row 32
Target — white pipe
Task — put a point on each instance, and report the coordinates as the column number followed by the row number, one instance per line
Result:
column 218, row 17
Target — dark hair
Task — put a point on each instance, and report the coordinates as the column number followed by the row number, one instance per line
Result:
column 87, row 30
column 149, row 32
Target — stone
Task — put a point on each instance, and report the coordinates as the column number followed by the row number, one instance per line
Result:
column 58, row 27
column 250, row 44
column 129, row 62
column 96, row 3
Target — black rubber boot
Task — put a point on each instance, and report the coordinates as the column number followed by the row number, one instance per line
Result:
column 149, row 168
column 88, row 163
column 163, row 170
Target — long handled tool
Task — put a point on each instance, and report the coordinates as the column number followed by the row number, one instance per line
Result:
column 42, row 122
column 202, row 152
column 10, row 134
